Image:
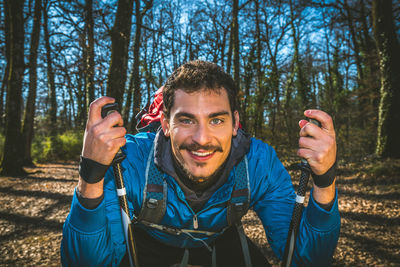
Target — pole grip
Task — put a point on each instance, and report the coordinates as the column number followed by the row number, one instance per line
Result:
column 121, row 192
column 298, row 209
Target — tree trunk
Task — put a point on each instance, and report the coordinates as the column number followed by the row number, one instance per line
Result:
column 120, row 38
column 2, row 92
column 303, row 89
column 128, row 102
column 137, row 93
column 12, row 160
column 235, row 43
column 259, row 116
column 50, row 80
column 90, row 53
column 236, row 59
column 229, row 55
column 27, row 131
column 388, row 143
column 276, row 96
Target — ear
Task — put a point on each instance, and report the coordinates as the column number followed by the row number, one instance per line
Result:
column 164, row 124
column 236, row 124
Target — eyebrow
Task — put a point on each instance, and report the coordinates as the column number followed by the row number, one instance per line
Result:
column 192, row 116
column 220, row 113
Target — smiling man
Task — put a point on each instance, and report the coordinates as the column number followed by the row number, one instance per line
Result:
column 201, row 130
column 189, row 184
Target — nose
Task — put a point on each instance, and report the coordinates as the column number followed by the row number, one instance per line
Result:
column 202, row 135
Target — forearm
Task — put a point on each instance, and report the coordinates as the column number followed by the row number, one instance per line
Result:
column 90, row 190
column 324, row 195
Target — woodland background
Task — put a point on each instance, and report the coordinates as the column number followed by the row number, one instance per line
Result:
column 285, row 56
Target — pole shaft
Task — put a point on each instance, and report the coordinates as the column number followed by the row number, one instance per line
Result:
column 121, row 191
column 296, row 217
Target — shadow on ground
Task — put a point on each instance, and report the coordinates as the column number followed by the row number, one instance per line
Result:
column 34, row 207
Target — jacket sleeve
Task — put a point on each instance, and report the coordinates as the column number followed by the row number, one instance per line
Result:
column 273, row 199
column 93, row 237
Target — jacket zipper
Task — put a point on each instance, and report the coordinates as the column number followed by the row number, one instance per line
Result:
column 195, row 222
column 195, row 219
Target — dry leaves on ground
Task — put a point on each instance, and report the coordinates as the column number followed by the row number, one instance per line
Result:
column 33, row 209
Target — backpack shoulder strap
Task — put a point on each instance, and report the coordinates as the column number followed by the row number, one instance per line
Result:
column 240, row 197
column 154, row 194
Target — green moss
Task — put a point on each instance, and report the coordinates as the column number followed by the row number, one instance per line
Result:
column 66, row 146
column 2, row 138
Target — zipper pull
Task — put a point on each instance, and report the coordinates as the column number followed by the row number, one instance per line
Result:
column 195, row 222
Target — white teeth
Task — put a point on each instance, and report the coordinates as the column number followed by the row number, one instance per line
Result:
column 201, row 154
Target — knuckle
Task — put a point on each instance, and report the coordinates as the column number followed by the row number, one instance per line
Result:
column 95, row 130
column 319, row 158
column 102, row 138
column 109, row 147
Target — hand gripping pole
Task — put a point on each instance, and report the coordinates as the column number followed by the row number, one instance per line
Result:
column 297, row 210
column 121, row 192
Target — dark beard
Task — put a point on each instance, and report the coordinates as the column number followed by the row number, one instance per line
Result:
column 194, row 182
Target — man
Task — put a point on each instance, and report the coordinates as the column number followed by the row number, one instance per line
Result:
column 200, row 153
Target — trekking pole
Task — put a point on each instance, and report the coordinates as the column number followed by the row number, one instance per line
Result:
column 297, row 210
column 121, row 192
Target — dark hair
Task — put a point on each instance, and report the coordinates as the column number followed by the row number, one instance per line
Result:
column 195, row 76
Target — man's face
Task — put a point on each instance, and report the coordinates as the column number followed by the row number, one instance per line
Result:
column 201, row 129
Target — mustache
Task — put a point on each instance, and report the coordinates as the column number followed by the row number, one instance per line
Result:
column 195, row 146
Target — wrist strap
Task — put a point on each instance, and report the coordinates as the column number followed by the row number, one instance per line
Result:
column 91, row 171
column 325, row 179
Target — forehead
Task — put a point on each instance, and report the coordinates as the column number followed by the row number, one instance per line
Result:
column 201, row 102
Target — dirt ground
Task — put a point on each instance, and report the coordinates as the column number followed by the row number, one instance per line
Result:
column 34, row 207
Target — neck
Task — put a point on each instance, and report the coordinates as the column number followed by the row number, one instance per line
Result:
column 194, row 185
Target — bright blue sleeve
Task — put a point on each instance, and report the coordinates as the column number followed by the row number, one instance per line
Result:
column 95, row 237
column 273, row 200
column 85, row 239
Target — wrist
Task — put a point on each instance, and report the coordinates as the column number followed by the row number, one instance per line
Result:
column 91, row 171
column 87, row 190
column 324, row 195
column 326, row 179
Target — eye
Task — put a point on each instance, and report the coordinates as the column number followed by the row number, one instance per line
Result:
column 216, row 121
column 186, row 121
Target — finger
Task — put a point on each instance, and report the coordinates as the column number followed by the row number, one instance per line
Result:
column 322, row 117
column 113, row 119
column 95, row 108
column 310, row 130
column 117, row 143
column 305, row 153
column 308, row 143
column 113, row 133
column 302, row 123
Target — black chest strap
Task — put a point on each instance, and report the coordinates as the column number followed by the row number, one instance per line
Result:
column 155, row 193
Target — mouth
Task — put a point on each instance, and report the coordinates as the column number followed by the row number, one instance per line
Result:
column 201, row 155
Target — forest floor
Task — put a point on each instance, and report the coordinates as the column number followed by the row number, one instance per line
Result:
column 34, row 207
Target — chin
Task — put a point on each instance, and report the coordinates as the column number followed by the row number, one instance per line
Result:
column 197, row 176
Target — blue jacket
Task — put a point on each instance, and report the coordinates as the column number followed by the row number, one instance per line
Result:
column 95, row 237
